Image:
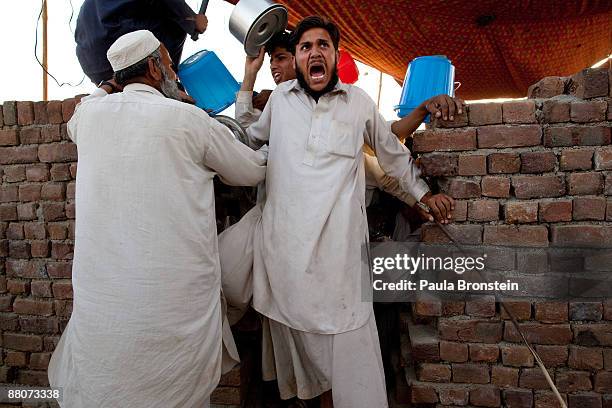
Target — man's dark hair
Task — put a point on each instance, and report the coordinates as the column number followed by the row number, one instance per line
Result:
column 315, row 22
column 279, row 40
column 139, row 69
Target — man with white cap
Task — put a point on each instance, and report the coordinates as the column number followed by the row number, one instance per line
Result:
column 147, row 328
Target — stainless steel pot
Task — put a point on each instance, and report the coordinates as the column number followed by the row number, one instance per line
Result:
column 234, row 126
column 254, row 22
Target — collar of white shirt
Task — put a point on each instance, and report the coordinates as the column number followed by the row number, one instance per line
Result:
column 143, row 88
column 340, row 88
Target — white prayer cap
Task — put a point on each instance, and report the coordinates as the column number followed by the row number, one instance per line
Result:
column 131, row 48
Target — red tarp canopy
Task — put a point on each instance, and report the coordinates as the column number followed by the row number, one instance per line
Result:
column 498, row 48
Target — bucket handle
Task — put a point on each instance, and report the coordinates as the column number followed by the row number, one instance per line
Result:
column 457, row 86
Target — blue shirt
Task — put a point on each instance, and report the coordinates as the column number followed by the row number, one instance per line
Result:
column 101, row 22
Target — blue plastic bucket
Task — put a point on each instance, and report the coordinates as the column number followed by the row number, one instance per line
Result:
column 208, row 81
column 426, row 77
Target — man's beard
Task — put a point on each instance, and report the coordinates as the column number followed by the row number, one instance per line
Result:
column 317, row 94
column 169, row 87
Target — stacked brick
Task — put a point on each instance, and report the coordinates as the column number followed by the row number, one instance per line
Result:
column 528, row 173
column 37, row 212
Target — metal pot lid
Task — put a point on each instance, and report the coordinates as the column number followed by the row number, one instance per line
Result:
column 254, row 22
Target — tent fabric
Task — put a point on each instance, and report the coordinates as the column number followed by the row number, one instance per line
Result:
column 498, row 48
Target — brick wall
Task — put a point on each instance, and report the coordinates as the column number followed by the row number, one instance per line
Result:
column 534, row 173
column 37, row 173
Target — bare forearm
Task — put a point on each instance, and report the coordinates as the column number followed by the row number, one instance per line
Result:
column 406, row 126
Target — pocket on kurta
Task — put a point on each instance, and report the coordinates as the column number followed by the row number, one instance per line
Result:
column 342, row 139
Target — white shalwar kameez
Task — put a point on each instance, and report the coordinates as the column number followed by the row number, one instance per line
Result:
column 307, row 245
column 146, row 328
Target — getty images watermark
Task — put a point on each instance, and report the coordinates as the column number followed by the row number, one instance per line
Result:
column 404, row 271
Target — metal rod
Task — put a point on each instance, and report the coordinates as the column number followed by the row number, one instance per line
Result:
column 45, row 60
column 380, row 79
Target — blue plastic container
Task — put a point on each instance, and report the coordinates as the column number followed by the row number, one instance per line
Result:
column 208, row 81
column 426, row 77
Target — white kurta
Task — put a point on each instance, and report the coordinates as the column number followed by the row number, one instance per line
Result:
column 308, row 267
column 146, row 327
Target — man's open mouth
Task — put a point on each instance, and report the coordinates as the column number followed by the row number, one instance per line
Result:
column 276, row 76
column 317, row 71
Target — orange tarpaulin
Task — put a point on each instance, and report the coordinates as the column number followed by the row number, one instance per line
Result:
column 498, row 48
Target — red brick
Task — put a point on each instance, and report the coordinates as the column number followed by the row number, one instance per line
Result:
column 453, row 396
column 15, row 231
column 504, row 376
column 8, row 212
column 41, row 288
column 584, row 401
column 22, row 342
column 444, row 140
column 68, row 106
column 17, row 287
column 9, row 194
column 30, row 135
column 487, row 353
column 453, row 352
column 25, row 269
column 588, row 111
column 517, row 398
column 62, row 290
column 34, row 230
column 460, row 213
column 33, row 378
column 25, row 113
column 539, row 334
column 519, row 111
column 19, row 249
column 475, row 331
column 6, row 303
column 484, row 114
column 427, row 308
column 555, row 110
column 63, row 308
column 16, row 359
column 70, row 191
column 603, row 158
column 592, row 311
column 480, row 306
column 459, row 120
column 509, row 136
column 472, row 165
column 57, row 230
column 53, row 211
column 439, row 165
column 455, row 308
column 551, row 312
column 60, row 250
column 9, row 113
column 555, row 211
column 57, row 152
column 73, row 170
column 538, row 186
column 520, row 212
column 572, row 381
column 463, row 189
column 9, row 137
column 32, row 307
column 40, row 249
column 483, row 210
column 60, row 172
column 39, row 325
column 50, row 133
column 51, row 342
column 538, row 162
column 40, row 361
column 545, row 399
column 14, row 174
column 553, row 356
column 579, row 159
column 586, row 358
column 608, row 187
column 18, row 155
column 581, row 236
column 423, row 394
column 547, row 87
column 533, row 378
column 516, row 356
column 555, row 136
column 608, row 310
column 603, row 381
column 58, row 270
column 40, row 112
column 37, row 172
column 589, row 208
column 29, row 192
column 470, row 373
column 510, row 235
column 519, row 309
column 434, row 372
column 53, row 191
column 70, row 211
column 54, row 112
column 466, row 234
column 589, row 83
column 487, row 396
column 504, row 163
column 498, row 187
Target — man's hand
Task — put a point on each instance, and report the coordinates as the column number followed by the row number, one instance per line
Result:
column 260, row 100
column 441, row 206
column 444, row 106
column 252, row 65
column 186, row 98
column 112, row 86
column 201, row 23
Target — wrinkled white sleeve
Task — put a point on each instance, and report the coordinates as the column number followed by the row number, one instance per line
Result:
column 394, row 158
column 258, row 133
column 236, row 164
column 72, row 123
column 245, row 113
